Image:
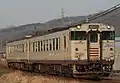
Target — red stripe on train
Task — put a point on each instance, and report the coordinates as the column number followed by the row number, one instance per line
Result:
column 94, row 53
column 93, row 48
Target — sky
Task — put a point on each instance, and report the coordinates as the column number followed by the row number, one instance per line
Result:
column 20, row 12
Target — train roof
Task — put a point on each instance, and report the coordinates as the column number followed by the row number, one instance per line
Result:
column 41, row 33
column 90, row 18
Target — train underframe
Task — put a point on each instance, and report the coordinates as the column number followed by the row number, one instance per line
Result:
column 65, row 68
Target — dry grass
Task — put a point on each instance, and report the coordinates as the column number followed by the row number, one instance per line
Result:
column 21, row 77
column 10, row 76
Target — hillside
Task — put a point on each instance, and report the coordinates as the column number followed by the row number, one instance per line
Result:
column 110, row 16
column 20, row 31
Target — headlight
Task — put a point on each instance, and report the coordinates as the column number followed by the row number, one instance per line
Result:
column 108, row 27
column 78, row 27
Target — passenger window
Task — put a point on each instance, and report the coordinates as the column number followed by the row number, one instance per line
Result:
column 29, row 46
column 50, row 45
column 22, row 47
column 53, row 44
column 56, row 43
column 41, row 46
column 64, row 42
column 33, row 46
column 38, row 45
column 59, row 43
column 44, row 45
column 47, row 44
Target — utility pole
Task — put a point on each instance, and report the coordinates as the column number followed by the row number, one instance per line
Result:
column 62, row 13
column 63, row 18
column 35, row 30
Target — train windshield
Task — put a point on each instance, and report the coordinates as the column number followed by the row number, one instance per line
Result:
column 93, row 36
column 78, row 35
column 108, row 35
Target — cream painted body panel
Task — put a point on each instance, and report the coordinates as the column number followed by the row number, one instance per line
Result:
column 107, row 52
column 82, row 50
column 116, row 65
column 16, row 55
column 61, row 54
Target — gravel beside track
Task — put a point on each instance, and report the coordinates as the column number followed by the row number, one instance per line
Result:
column 15, row 76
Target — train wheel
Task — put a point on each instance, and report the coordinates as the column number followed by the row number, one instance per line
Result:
column 42, row 68
column 8, row 64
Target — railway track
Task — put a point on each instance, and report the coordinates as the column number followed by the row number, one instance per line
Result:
column 68, row 79
column 3, row 64
column 88, row 78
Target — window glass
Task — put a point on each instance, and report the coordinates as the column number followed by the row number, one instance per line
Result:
column 38, row 45
column 50, row 45
column 108, row 35
column 47, row 45
column 64, row 42
column 41, row 46
column 53, row 44
column 33, row 46
column 78, row 35
column 56, row 43
column 93, row 36
column 44, row 45
column 59, row 42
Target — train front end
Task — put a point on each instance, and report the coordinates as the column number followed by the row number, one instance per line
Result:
column 92, row 47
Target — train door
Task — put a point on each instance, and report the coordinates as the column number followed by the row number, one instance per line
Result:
column 27, row 49
column 93, row 45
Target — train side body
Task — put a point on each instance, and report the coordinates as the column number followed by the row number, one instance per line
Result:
column 16, row 50
column 54, row 52
column 83, row 49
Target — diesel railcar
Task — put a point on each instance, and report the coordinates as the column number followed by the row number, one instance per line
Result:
column 84, row 49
